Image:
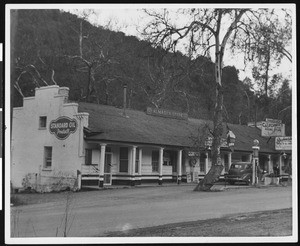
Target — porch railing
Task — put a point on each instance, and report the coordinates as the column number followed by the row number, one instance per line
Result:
column 91, row 169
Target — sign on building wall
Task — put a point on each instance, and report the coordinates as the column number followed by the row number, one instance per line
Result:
column 188, row 177
column 283, row 143
column 196, row 177
column 167, row 113
column 62, row 127
column 272, row 129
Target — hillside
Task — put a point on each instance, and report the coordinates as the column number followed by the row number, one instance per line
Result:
column 51, row 46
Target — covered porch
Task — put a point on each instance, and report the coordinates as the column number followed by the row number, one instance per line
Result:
column 111, row 163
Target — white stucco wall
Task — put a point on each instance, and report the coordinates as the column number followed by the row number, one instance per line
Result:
column 28, row 140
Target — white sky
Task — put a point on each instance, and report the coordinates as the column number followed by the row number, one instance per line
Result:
column 130, row 18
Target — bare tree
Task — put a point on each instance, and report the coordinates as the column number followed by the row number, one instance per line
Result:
column 92, row 54
column 36, row 77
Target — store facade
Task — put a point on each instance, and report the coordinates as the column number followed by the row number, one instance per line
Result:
column 56, row 142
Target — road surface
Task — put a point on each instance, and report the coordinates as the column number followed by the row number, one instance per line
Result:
column 96, row 213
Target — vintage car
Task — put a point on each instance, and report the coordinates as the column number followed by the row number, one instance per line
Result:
column 239, row 172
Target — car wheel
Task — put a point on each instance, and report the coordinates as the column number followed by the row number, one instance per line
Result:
column 248, row 180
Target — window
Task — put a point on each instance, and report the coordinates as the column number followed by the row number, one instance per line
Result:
column 123, row 159
column 155, row 155
column 88, row 156
column 47, row 157
column 137, row 160
column 244, row 158
column 202, row 162
column 43, row 122
column 167, row 159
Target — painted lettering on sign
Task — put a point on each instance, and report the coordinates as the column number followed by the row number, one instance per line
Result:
column 62, row 127
column 167, row 113
column 272, row 129
column 283, row 143
column 223, row 142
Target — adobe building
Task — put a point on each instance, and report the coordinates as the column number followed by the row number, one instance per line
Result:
column 57, row 143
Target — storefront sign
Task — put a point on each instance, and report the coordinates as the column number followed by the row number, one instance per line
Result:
column 195, row 177
column 167, row 113
column 193, row 153
column 209, row 140
column 188, row 177
column 62, row 127
column 272, row 129
column 283, row 143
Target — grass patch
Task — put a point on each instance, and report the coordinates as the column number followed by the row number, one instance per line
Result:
column 17, row 200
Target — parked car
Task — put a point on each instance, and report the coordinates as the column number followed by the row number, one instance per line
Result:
column 239, row 171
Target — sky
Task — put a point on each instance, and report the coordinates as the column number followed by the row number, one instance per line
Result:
column 130, row 19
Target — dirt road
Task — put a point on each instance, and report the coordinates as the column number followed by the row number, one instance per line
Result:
column 96, row 213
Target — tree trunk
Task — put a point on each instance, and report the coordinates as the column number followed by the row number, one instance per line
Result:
column 216, row 169
column 267, row 73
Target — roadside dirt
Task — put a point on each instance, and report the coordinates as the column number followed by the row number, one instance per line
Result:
column 267, row 223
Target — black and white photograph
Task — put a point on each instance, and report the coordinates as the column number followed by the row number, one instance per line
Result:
column 150, row 123
column 1, row 121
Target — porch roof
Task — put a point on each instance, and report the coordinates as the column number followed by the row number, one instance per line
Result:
column 108, row 123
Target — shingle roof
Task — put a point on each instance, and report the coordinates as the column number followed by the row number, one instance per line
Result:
column 139, row 127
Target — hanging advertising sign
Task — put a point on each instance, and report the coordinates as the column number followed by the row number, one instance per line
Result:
column 62, row 127
column 272, row 129
column 283, row 143
column 209, row 140
column 258, row 124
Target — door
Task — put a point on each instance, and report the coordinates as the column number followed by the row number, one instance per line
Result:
column 107, row 169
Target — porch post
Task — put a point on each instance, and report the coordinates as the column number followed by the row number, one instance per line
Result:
column 160, row 165
column 140, row 164
column 229, row 159
column 206, row 162
column 179, row 166
column 132, row 170
column 101, row 164
column 250, row 157
column 269, row 164
column 280, row 165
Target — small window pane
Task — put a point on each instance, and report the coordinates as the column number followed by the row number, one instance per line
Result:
column 155, row 155
column 88, row 156
column 123, row 153
column 123, row 159
column 48, row 157
column 43, row 122
column 137, row 157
